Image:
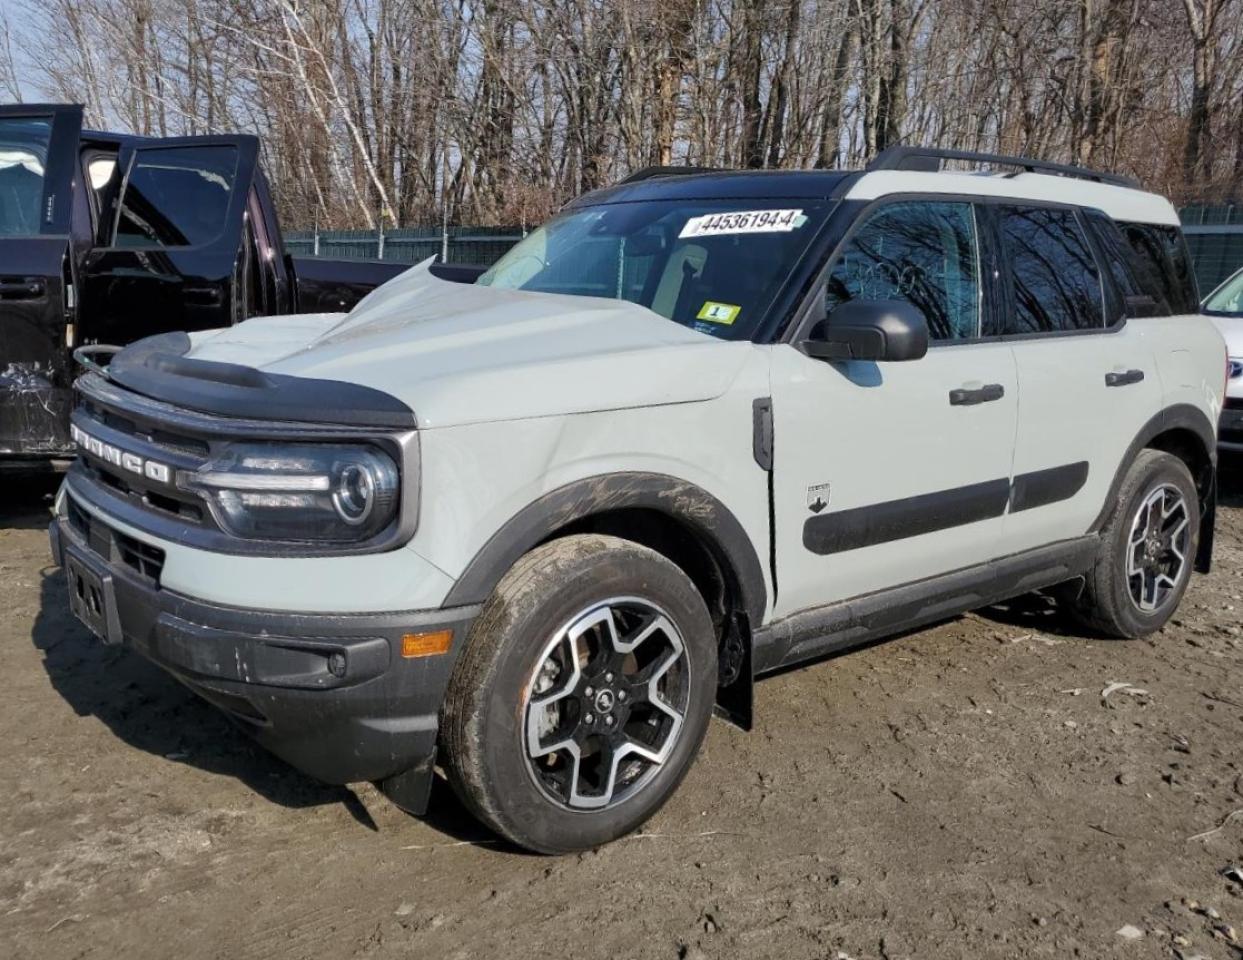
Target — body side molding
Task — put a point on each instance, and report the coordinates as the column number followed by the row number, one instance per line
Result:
column 711, row 520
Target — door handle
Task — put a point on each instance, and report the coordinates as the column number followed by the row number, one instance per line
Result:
column 1120, row 378
column 22, row 289
column 970, row 396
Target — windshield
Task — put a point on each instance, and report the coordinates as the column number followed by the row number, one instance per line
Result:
column 23, row 154
column 713, row 265
column 1229, row 298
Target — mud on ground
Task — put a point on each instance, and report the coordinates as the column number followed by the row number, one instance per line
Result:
column 963, row 791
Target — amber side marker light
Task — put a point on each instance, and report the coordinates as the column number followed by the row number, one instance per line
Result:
column 426, row 644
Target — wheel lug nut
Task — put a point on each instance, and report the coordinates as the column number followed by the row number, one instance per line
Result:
column 588, row 692
column 608, row 721
column 621, row 694
column 608, row 678
column 589, row 719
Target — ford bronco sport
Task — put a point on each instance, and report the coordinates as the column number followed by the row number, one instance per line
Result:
column 695, row 429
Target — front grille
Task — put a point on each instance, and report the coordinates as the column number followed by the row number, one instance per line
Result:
column 114, row 546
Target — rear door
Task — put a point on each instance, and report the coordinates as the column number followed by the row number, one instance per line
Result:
column 170, row 255
column 38, row 158
column 1088, row 379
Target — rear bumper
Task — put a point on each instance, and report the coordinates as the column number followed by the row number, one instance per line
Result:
column 328, row 693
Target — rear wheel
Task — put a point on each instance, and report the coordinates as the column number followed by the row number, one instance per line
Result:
column 1147, row 550
column 582, row 695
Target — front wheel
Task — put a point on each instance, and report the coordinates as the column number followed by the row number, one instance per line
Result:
column 582, row 695
column 1147, row 550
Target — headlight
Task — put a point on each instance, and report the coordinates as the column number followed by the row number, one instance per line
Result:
column 330, row 493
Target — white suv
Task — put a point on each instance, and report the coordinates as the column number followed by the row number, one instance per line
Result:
column 697, row 428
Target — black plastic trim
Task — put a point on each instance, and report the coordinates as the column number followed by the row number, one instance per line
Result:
column 1042, row 487
column 909, row 517
column 891, row 520
column 711, row 521
column 157, row 367
column 821, row 631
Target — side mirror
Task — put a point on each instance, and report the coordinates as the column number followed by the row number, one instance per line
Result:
column 888, row 330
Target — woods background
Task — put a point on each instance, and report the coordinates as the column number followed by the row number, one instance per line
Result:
column 496, row 111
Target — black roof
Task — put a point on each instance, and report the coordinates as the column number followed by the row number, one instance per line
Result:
column 724, row 185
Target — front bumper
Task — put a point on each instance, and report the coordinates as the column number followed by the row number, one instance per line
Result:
column 330, row 694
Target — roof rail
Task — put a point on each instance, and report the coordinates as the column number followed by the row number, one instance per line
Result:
column 647, row 173
column 929, row 159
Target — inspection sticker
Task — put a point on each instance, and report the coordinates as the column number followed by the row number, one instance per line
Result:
column 743, row 221
column 725, row 313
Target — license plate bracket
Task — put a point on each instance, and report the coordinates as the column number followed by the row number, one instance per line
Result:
column 92, row 597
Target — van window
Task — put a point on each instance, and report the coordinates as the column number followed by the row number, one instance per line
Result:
column 176, row 196
column 1056, row 286
column 23, row 154
column 1163, row 266
column 923, row 252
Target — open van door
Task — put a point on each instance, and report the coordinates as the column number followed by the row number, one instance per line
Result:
column 38, row 163
column 171, row 245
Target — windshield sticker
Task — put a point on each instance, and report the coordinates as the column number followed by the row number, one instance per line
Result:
column 743, row 221
column 715, row 312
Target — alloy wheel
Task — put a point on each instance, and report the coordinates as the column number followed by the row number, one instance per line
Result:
column 1157, row 547
column 606, row 704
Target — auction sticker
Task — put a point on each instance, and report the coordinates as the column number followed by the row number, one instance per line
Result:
column 743, row 221
column 725, row 313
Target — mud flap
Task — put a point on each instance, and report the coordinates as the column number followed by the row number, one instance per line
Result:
column 734, row 694
column 411, row 789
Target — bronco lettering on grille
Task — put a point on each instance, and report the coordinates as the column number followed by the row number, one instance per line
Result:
column 151, row 469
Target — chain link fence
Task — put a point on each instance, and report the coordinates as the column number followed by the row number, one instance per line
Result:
column 478, row 245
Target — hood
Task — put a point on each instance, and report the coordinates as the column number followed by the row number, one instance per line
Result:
column 1231, row 330
column 459, row 353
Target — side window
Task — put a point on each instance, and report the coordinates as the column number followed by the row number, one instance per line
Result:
column 923, row 252
column 1056, row 284
column 176, row 196
column 1162, row 266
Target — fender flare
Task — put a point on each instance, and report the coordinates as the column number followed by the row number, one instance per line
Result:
column 1180, row 416
column 711, row 521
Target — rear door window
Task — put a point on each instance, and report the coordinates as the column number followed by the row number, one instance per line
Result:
column 1054, row 280
column 923, row 252
column 23, row 161
column 176, row 196
column 1162, row 266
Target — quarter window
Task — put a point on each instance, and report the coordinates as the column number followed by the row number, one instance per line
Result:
column 926, row 253
column 1055, row 281
column 1162, row 266
column 176, row 197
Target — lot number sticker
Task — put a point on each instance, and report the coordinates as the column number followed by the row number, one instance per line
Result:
column 725, row 313
column 743, row 221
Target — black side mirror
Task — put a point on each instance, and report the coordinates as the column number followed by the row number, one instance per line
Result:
column 869, row 330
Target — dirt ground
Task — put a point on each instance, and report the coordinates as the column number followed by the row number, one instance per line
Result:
column 963, row 791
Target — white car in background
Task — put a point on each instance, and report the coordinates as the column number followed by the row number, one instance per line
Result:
column 1225, row 306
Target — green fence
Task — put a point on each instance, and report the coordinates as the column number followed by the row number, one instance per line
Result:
column 1215, row 237
column 473, row 245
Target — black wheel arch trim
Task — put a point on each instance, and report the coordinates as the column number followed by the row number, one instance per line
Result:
column 712, row 522
column 1181, row 416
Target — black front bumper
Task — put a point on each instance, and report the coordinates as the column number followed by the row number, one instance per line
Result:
column 330, row 694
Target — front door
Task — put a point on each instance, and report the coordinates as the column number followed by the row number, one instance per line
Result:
column 171, row 253
column 38, row 156
column 887, row 473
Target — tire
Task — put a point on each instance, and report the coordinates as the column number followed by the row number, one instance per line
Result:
column 518, row 654
column 1110, row 603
